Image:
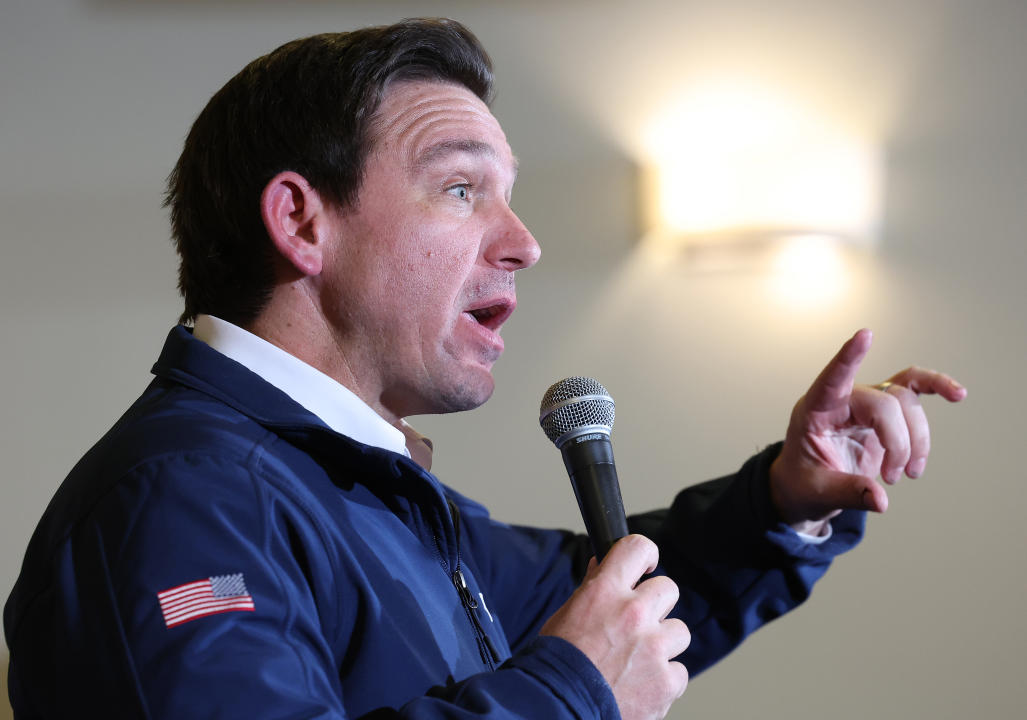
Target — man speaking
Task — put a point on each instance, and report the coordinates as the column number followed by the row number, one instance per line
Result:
column 259, row 535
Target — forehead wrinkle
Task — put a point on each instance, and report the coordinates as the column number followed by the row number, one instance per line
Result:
column 449, row 147
column 429, row 130
column 412, row 122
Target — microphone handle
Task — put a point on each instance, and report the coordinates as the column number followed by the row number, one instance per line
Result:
column 589, row 462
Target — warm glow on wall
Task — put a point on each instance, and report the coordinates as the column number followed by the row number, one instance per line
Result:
column 807, row 270
column 747, row 180
column 735, row 160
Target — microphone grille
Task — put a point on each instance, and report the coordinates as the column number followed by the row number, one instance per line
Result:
column 573, row 404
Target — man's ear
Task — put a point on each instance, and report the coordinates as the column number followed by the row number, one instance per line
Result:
column 296, row 221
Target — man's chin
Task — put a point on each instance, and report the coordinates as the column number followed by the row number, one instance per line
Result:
column 468, row 397
column 467, row 392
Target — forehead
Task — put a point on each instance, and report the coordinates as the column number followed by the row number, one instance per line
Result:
column 421, row 119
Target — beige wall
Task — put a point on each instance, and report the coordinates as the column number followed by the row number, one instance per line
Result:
column 925, row 619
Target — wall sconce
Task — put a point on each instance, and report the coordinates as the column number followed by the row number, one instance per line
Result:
column 738, row 171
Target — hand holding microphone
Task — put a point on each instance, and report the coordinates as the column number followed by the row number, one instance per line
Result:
column 619, row 622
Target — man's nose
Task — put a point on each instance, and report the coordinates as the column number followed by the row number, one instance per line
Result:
column 512, row 246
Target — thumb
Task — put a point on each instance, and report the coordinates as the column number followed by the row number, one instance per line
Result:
column 847, row 491
column 593, row 567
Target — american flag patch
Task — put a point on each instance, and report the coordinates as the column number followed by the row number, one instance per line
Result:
column 224, row 593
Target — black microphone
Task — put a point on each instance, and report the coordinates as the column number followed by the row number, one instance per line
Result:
column 577, row 415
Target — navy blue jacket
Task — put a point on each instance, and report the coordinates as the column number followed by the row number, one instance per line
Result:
column 340, row 580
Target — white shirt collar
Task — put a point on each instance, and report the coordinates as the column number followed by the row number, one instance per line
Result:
column 337, row 406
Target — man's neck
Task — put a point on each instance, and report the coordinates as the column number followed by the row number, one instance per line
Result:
column 293, row 322
column 335, row 404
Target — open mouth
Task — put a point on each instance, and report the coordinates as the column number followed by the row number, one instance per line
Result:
column 492, row 316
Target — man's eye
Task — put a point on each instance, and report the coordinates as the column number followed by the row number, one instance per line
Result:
column 463, row 192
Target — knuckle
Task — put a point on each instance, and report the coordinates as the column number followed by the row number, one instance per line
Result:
column 635, row 613
column 667, row 685
column 640, row 544
column 643, row 542
column 599, row 584
column 664, row 587
column 658, row 646
column 899, row 456
column 902, row 444
column 682, row 631
column 637, row 550
column 654, row 645
column 672, row 682
column 670, row 640
column 921, row 443
column 902, row 393
column 682, row 677
column 635, row 541
column 892, row 401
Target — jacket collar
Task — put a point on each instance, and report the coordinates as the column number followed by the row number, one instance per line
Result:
column 193, row 363
column 187, row 361
column 190, row 362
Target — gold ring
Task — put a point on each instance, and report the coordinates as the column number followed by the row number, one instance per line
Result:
column 883, row 387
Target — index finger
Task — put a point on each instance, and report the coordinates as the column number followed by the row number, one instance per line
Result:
column 834, row 384
column 629, row 559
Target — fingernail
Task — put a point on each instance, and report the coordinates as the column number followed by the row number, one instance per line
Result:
column 916, row 469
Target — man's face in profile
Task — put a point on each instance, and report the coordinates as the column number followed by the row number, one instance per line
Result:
column 420, row 279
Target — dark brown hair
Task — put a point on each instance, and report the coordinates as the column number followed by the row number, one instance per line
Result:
column 307, row 107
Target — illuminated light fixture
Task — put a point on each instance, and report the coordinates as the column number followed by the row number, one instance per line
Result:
column 738, row 166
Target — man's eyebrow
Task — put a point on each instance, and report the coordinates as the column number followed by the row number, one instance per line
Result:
column 450, row 147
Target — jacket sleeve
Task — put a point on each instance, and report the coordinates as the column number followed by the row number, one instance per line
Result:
column 104, row 637
column 736, row 565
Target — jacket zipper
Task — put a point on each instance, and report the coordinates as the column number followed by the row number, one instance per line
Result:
column 489, row 655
